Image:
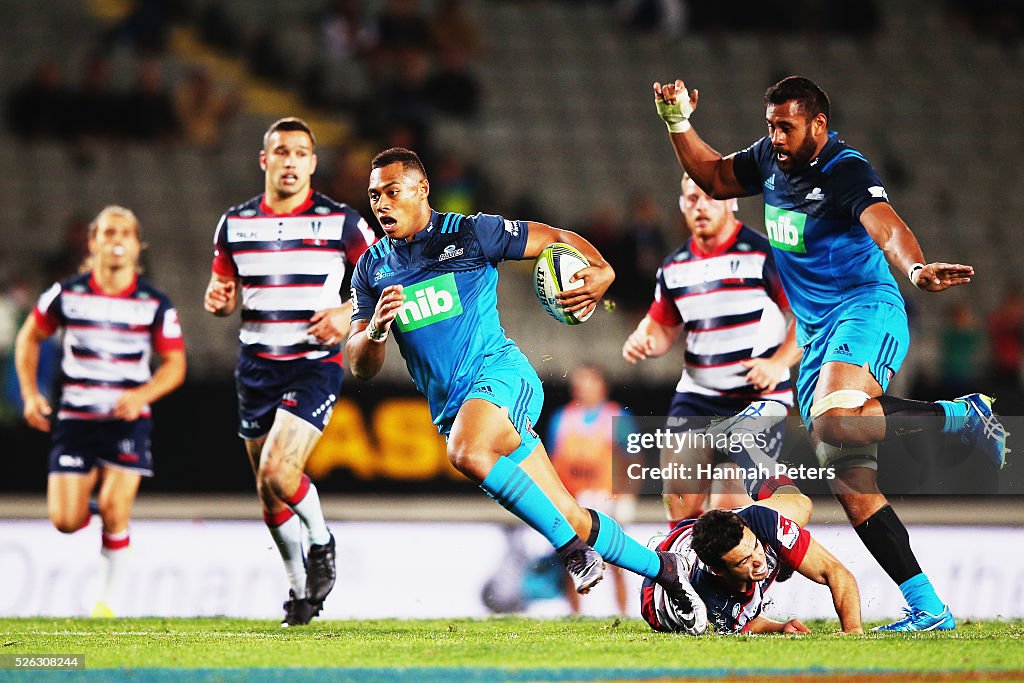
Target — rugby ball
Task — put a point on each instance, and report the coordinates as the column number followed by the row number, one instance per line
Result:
column 551, row 273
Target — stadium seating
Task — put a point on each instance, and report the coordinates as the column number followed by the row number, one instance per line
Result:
column 566, row 119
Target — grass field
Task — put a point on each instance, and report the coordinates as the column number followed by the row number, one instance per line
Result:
column 504, row 649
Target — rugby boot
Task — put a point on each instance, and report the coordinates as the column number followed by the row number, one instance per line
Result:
column 585, row 566
column 320, row 571
column 683, row 608
column 919, row 620
column 299, row 611
column 983, row 429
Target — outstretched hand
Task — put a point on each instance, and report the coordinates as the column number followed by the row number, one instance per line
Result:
column 936, row 277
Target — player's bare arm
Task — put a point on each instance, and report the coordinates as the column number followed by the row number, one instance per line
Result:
column 820, row 566
column 596, row 279
column 902, row 250
column 168, row 377
column 37, row 409
column 221, row 295
column 762, row 624
column 712, row 172
column 650, row 339
column 765, row 373
column 331, row 325
column 365, row 351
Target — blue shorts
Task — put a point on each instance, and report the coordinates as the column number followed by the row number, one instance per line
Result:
column 875, row 333
column 79, row 446
column 305, row 388
column 513, row 385
column 690, row 411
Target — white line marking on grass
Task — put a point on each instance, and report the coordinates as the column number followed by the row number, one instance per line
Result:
column 150, row 634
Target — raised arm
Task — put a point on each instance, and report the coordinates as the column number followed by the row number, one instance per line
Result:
column 902, row 250
column 821, row 567
column 712, row 172
column 596, row 279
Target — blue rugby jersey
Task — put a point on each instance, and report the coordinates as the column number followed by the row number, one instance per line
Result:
column 449, row 324
column 108, row 340
column 824, row 255
column 290, row 266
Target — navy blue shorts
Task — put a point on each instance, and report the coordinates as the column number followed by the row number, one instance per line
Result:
column 690, row 411
column 305, row 388
column 79, row 446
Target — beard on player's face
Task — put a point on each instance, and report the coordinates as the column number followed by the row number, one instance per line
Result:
column 800, row 157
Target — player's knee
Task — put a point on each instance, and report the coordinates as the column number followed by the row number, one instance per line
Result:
column 473, row 461
column 836, row 416
column 67, row 522
column 114, row 513
column 276, row 478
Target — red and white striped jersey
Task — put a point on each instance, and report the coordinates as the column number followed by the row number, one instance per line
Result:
column 108, row 341
column 290, row 266
column 731, row 304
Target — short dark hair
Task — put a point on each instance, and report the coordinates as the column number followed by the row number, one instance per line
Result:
column 289, row 123
column 399, row 155
column 804, row 92
column 715, row 533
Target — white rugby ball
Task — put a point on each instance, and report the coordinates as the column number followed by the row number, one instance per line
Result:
column 551, row 272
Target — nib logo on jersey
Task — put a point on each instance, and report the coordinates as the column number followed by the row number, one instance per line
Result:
column 785, row 229
column 429, row 302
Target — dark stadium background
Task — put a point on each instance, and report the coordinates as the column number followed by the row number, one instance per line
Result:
column 562, row 130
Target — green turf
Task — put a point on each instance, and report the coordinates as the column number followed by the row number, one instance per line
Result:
column 508, row 643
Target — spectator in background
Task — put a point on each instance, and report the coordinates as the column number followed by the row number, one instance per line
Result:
column 202, row 110
column 67, row 259
column 456, row 187
column 344, row 30
column 960, row 341
column 453, row 89
column 98, row 110
column 40, row 107
column 642, row 249
column 583, row 439
column 450, row 24
column 150, row 107
column 1006, row 345
column 144, row 27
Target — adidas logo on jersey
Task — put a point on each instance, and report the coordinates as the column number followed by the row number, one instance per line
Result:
column 383, row 272
column 770, row 182
column 843, row 350
column 815, row 195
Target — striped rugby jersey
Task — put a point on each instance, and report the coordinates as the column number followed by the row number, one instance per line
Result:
column 731, row 304
column 729, row 610
column 289, row 266
column 108, row 340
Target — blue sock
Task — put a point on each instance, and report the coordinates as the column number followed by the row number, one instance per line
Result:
column 612, row 543
column 520, row 495
column 955, row 411
column 919, row 594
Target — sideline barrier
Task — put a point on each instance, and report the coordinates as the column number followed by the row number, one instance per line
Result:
column 427, row 569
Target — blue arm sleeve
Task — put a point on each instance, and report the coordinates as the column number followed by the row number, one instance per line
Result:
column 500, row 238
column 746, row 165
column 364, row 297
